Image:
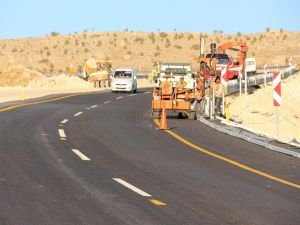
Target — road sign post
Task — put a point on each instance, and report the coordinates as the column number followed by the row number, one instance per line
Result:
column 277, row 97
column 265, row 75
column 240, row 79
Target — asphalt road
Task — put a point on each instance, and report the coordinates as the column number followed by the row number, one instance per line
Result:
column 99, row 159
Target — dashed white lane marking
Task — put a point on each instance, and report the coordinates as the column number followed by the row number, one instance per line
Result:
column 148, row 92
column 88, row 108
column 80, row 155
column 64, row 121
column 131, row 187
column 77, row 114
column 119, row 97
column 61, row 133
column 107, row 102
column 132, row 94
column 94, row 106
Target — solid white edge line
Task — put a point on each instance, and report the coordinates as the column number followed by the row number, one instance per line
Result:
column 77, row 114
column 61, row 133
column 64, row 121
column 107, row 102
column 80, row 155
column 131, row 187
column 94, row 106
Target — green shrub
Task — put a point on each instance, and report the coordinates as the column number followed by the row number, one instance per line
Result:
column 99, row 43
column 151, row 36
column 190, row 37
column 140, row 40
column 44, row 61
column 54, row 34
column 168, row 43
column 195, row 47
column 163, row 34
column 156, row 54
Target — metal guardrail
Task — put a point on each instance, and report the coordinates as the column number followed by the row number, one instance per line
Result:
column 234, row 85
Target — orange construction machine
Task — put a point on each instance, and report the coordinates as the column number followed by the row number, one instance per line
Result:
column 213, row 63
column 177, row 98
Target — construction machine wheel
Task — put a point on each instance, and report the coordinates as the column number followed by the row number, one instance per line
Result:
column 156, row 114
column 191, row 115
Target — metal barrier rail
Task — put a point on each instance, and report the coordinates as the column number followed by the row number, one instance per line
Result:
column 234, row 85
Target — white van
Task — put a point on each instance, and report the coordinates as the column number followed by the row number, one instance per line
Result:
column 124, row 79
column 251, row 65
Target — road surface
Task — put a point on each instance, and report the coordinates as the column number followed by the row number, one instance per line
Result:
column 99, row 159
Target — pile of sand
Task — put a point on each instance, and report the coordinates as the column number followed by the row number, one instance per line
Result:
column 257, row 111
column 12, row 76
column 19, row 76
column 61, row 81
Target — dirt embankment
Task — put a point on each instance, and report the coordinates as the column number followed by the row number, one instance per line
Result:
column 257, row 111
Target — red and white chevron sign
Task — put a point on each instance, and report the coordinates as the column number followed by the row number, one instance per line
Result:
column 223, row 75
column 277, row 88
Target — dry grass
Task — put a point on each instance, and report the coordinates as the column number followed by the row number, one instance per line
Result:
column 125, row 48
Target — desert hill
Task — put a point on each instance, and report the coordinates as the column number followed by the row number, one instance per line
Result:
column 55, row 53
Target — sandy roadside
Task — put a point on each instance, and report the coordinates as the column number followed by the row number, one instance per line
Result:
column 256, row 111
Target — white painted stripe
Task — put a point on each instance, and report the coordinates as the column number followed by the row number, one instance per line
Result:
column 88, row 108
column 61, row 133
column 64, row 121
column 148, row 92
column 131, row 187
column 77, row 114
column 107, row 102
column 132, row 95
column 94, row 106
column 81, row 155
column 119, row 98
column 277, row 80
column 277, row 97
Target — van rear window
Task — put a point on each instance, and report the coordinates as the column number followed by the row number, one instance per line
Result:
column 123, row 74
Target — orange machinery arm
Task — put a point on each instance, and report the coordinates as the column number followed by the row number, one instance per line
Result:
column 243, row 48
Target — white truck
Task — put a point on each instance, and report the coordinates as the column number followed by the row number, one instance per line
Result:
column 124, row 79
column 174, row 71
column 250, row 65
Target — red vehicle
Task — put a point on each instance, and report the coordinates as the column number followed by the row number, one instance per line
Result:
column 222, row 61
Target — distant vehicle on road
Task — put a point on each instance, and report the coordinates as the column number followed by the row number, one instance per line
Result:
column 124, row 79
column 251, row 65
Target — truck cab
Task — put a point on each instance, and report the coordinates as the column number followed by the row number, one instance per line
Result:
column 124, row 79
column 174, row 71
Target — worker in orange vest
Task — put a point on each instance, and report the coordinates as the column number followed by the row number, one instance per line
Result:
column 219, row 87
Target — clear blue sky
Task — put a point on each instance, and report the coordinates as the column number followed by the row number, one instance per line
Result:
column 29, row 18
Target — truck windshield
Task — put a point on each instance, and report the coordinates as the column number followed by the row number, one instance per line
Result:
column 222, row 61
column 175, row 71
column 122, row 74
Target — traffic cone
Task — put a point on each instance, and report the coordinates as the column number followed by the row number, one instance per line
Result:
column 163, row 119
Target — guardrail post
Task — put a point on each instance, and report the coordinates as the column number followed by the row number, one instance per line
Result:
column 246, row 82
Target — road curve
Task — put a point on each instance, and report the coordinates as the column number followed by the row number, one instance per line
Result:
column 99, row 159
